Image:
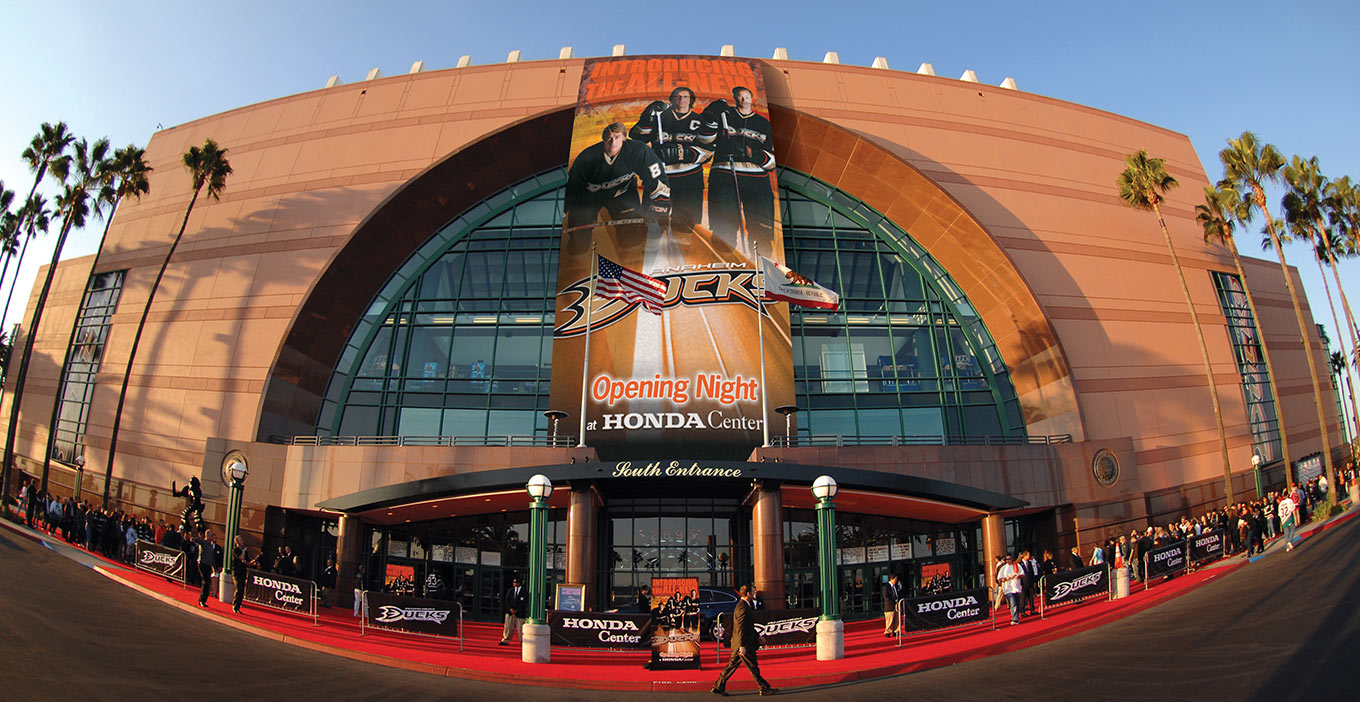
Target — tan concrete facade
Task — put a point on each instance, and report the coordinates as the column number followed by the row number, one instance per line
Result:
column 1014, row 193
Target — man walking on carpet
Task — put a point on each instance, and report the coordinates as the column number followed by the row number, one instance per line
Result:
column 744, row 645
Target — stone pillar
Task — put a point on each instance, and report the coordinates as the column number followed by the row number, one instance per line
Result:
column 993, row 545
column 349, row 553
column 767, row 538
column 582, row 542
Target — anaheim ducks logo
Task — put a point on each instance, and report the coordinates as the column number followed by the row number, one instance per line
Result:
column 732, row 286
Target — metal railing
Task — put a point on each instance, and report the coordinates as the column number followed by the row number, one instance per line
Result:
column 921, row 440
column 562, row 441
column 567, row 441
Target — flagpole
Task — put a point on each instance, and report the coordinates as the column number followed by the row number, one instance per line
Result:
column 760, row 325
column 585, row 357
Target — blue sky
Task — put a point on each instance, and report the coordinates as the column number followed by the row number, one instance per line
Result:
column 1205, row 69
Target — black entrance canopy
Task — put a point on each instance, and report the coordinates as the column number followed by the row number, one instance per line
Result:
column 730, row 474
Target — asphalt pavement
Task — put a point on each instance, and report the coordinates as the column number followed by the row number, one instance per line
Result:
column 1286, row 627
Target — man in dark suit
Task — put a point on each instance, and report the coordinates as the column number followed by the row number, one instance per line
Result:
column 744, row 645
column 516, row 605
column 892, row 592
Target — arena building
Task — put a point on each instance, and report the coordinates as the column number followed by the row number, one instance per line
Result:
column 368, row 315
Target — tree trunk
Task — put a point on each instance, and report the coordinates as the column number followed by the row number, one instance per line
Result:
column 1270, row 369
column 22, row 378
column 8, row 456
column 1204, row 353
column 1355, row 349
column 1260, row 197
column 132, row 353
column 1340, row 342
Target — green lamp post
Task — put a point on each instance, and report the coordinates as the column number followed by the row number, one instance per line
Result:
column 234, row 470
column 830, row 630
column 1256, row 474
column 535, row 638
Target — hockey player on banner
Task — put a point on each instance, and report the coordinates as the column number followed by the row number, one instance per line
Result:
column 740, row 199
column 683, row 141
column 606, row 175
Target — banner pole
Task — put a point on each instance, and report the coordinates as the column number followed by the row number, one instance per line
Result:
column 1043, row 600
column 585, row 356
column 760, row 327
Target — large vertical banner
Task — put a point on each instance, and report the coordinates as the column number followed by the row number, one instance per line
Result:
column 671, row 184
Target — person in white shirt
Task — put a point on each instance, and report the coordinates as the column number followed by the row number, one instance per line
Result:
column 1010, row 581
column 1288, row 521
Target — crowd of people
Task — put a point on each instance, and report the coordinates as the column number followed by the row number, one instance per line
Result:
column 1246, row 527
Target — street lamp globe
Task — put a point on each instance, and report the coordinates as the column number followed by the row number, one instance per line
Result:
column 1256, row 460
column 539, row 487
column 824, row 488
column 238, row 470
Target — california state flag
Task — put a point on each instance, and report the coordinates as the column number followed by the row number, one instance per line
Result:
column 783, row 285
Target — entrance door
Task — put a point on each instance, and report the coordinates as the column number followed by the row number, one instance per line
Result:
column 491, row 591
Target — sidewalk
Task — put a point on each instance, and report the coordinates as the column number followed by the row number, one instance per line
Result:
column 867, row 653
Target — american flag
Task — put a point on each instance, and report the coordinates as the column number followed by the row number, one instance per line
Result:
column 619, row 283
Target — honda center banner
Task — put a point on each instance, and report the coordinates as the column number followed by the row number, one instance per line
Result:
column 601, row 630
column 167, row 562
column 670, row 201
column 280, row 591
column 1165, row 560
column 1078, row 584
column 1207, row 546
column 945, row 609
column 787, row 627
column 414, row 615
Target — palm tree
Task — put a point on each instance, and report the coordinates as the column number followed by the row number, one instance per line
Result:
column 1142, row 186
column 1249, row 165
column 46, row 152
column 1222, row 209
column 208, row 167
column 1343, row 212
column 1304, row 206
column 126, row 174
column 80, row 184
column 1337, row 361
column 9, row 229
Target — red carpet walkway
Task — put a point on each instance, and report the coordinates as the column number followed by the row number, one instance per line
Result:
column 867, row 653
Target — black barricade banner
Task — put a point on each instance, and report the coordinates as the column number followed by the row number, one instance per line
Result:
column 167, row 562
column 280, row 591
column 945, row 609
column 1077, row 584
column 1165, row 560
column 1207, row 546
column 786, row 627
column 601, row 630
column 414, row 615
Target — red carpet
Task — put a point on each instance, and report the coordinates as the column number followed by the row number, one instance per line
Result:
column 867, row 653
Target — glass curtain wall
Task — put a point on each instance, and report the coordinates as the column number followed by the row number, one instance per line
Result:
column 1251, row 365
column 459, row 342
column 673, row 537
column 84, row 356
column 470, row 560
column 927, row 557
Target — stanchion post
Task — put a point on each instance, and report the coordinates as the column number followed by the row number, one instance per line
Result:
column 1043, row 600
